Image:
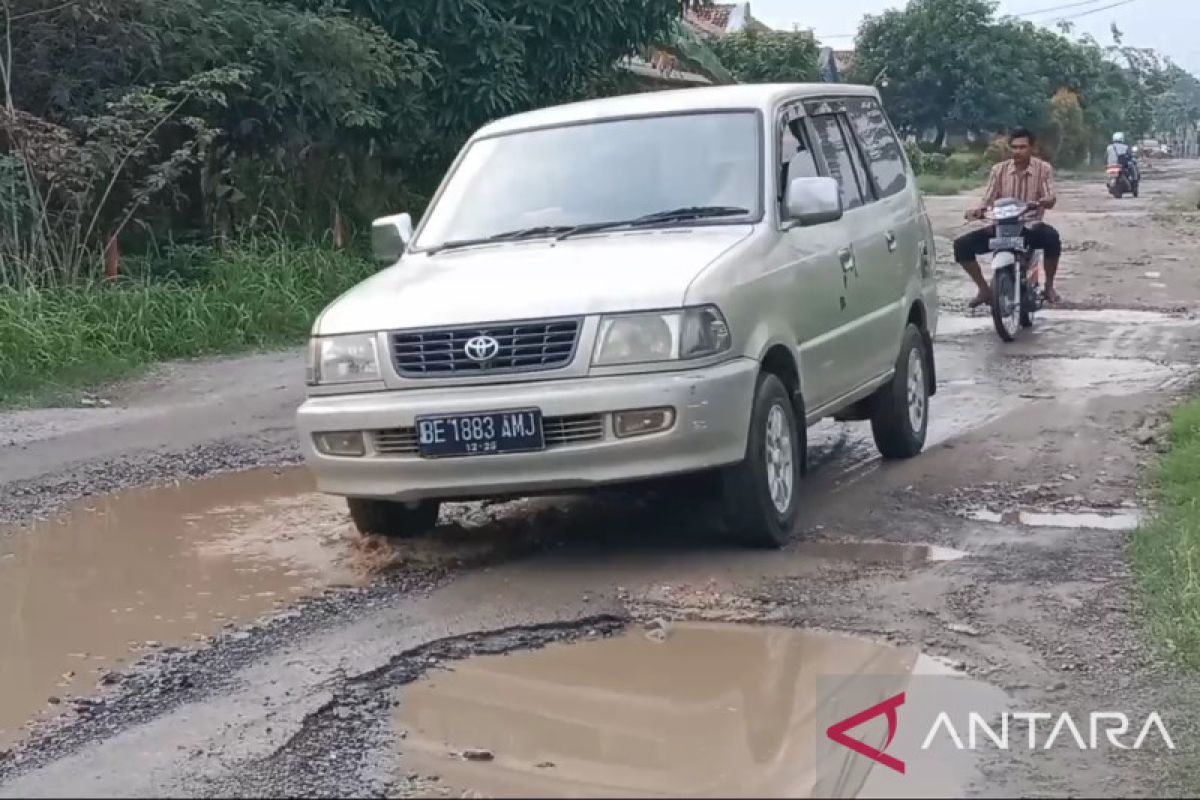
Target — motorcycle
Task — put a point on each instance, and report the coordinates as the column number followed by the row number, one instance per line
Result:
column 1016, row 270
column 1122, row 177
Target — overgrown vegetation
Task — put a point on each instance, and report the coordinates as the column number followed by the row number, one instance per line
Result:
column 1167, row 549
column 754, row 56
column 260, row 294
column 948, row 184
column 133, row 131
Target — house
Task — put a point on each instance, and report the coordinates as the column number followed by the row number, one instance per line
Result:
column 683, row 60
column 722, row 18
column 844, row 60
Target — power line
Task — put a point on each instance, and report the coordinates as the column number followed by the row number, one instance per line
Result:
column 1066, row 18
column 1056, row 8
column 1070, row 17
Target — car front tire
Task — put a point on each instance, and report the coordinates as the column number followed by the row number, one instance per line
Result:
column 760, row 495
column 900, row 409
column 393, row 519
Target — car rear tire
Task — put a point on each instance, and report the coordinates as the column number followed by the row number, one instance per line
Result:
column 760, row 495
column 900, row 409
column 393, row 519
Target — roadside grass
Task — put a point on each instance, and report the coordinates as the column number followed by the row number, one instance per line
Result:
column 948, row 184
column 1166, row 550
column 259, row 295
column 1182, row 210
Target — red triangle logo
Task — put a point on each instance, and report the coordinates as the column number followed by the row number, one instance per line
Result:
column 837, row 732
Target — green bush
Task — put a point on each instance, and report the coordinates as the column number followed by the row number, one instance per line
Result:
column 965, row 165
column 935, row 163
column 915, row 156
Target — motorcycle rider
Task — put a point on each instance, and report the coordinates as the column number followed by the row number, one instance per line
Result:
column 1119, row 153
column 1024, row 178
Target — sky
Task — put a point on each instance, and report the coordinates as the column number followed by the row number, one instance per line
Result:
column 1169, row 26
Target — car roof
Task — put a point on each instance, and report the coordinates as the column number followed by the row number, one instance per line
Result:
column 762, row 96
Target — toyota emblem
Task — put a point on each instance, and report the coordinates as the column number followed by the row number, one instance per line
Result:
column 481, row 348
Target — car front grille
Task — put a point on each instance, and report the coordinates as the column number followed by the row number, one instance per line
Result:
column 521, row 347
column 559, row 432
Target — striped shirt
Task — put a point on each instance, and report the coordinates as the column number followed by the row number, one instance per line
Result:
column 1032, row 184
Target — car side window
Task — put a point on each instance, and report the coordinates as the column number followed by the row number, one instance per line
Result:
column 796, row 159
column 884, row 154
column 840, row 160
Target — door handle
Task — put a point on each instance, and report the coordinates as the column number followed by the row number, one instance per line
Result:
column 848, row 262
column 891, row 241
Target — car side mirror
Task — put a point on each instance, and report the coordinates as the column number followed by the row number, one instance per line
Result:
column 390, row 236
column 813, row 201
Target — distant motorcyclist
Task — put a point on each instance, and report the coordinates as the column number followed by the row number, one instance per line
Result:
column 1120, row 154
column 1024, row 178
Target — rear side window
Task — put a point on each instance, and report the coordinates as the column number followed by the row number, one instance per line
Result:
column 842, row 166
column 883, row 151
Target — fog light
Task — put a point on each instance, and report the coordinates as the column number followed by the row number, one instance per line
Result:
column 340, row 443
column 642, row 421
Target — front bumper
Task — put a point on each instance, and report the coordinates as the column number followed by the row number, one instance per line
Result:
column 712, row 408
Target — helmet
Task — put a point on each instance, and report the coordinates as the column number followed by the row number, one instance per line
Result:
column 1119, row 138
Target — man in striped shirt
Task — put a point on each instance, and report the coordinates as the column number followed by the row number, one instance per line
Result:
column 1026, row 178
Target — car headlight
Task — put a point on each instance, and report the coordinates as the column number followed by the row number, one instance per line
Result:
column 342, row 359
column 659, row 336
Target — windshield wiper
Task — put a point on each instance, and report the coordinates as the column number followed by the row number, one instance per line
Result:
column 507, row 236
column 672, row 215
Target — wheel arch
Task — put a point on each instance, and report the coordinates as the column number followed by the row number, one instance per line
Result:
column 918, row 315
column 784, row 363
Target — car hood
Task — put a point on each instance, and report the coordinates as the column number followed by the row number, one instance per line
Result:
column 532, row 280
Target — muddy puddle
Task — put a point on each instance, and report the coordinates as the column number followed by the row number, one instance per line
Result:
column 1080, row 520
column 114, row 576
column 889, row 553
column 689, row 709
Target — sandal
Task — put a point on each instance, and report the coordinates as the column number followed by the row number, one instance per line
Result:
column 981, row 299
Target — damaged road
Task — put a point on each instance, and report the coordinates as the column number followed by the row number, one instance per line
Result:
column 228, row 634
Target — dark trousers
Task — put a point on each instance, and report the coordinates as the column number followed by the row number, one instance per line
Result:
column 1039, row 237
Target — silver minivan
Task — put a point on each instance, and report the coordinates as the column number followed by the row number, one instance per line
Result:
column 663, row 284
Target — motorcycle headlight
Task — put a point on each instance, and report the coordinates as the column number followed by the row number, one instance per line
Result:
column 656, row 337
column 342, row 359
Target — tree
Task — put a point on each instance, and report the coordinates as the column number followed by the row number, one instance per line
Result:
column 498, row 57
column 108, row 92
column 769, row 56
column 1068, row 131
column 1082, row 69
column 1149, row 75
column 978, row 78
column 1177, row 111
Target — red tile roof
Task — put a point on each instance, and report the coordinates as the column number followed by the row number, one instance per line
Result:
column 717, row 14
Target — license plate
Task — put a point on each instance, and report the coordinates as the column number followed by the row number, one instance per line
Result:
column 491, row 433
column 1007, row 243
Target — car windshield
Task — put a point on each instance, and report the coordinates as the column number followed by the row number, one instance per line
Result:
column 554, row 179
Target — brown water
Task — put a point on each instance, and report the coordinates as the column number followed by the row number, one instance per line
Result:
column 86, row 591
column 703, row 710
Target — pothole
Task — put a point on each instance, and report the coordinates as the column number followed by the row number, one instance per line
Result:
column 689, row 709
column 893, row 553
column 1084, row 519
column 148, row 568
column 954, row 325
column 1116, row 376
